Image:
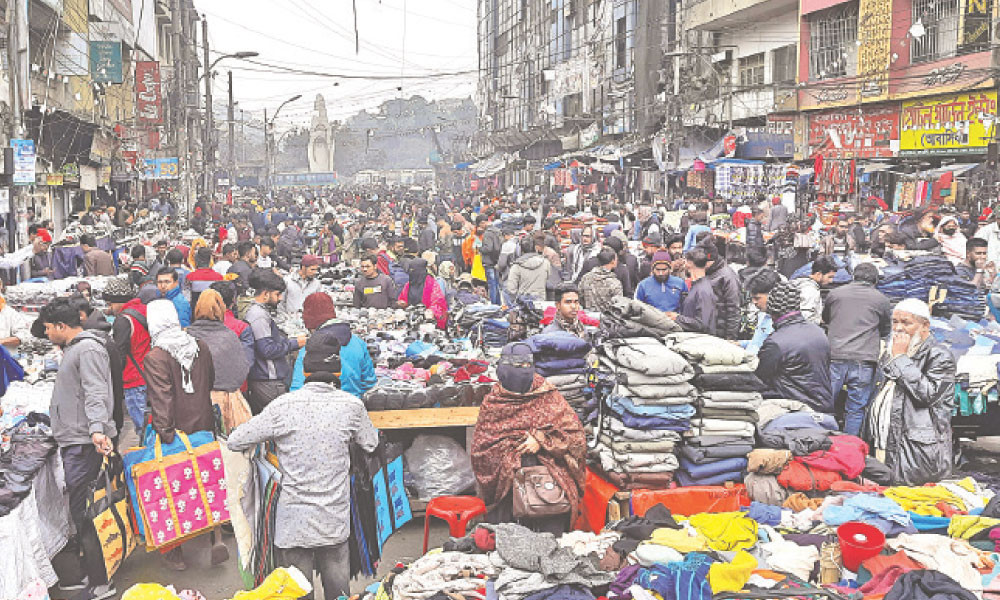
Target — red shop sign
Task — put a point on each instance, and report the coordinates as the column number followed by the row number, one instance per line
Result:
column 850, row 134
column 149, row 105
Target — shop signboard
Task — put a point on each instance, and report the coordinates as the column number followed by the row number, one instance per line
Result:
column 161, row 168
column 148, row 105
column 872, row 132
column 949, row 125
column 55, row 179
column 106, row 62
column 875, row 48
column 71, row 174
column 24, row 161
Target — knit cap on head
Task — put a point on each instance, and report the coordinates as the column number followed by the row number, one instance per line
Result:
column 783, row 299
column 661, row 257
column 317, row 309
column 118, row 291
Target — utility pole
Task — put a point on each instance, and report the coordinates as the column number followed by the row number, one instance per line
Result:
column 232, row 134
column 14, row 80
column 207, row 147
column 267, row 155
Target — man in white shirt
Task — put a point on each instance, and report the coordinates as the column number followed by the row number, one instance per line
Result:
column 991, row 233
column 229, row 256
column 823, row 271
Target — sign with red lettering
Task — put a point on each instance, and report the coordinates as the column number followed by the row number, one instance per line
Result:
column 850, row 133
column 149, row 105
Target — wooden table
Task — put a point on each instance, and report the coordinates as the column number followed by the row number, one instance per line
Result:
column 425, row 418
column 422, row 418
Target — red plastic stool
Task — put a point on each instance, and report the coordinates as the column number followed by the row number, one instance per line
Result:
column 456, row 510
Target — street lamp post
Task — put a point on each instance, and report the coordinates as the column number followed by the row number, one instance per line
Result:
column 208, row 147
column 268, row 133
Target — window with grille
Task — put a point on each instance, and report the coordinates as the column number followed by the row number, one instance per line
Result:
column 832, row 36
column 783, row 64
column 752, row 70
column 621, row 35
column 939, row 19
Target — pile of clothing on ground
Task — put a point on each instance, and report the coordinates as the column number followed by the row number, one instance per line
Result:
column 722, row 433
column 976, row 346
column 933, row 542
column 638, row 429
column 561, row 358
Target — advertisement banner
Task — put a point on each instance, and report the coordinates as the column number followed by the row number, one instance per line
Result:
column 148, row 103
column 844, row 133
column 24, row 161
column 975, row 34
column 949, row 125
column 875, row 48
column 106, row 62
column 161, row 168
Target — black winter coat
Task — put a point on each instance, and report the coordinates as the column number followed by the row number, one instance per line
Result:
column 918, row 449
column 795, row 363
column 726, row 287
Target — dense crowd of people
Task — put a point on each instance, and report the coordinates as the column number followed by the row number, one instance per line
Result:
column 197, row 325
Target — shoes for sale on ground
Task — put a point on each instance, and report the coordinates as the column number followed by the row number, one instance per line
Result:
column 97, row 592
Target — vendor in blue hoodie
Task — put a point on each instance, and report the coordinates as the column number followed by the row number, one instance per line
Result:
column 661, row 289
column 357, row 374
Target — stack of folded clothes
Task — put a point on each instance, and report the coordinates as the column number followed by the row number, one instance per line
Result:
column 561, row 357
column 640, row 425
column 722, row 433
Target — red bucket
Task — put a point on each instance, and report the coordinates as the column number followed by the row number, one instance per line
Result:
column 859, row 542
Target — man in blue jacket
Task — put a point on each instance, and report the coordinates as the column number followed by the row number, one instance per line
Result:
column 357, row 373
column 270, row 369
column 661, row 289
column 168, row 282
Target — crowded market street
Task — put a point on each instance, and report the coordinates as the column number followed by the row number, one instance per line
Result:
column 499, row 300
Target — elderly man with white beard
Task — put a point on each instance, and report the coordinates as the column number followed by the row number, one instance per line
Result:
column 909, row 421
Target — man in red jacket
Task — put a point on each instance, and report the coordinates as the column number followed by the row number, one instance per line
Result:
column 203, row 276
column 132, row 338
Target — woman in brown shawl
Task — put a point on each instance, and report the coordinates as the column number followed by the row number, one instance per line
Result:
column 525, row 421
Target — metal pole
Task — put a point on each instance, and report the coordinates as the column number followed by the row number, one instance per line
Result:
column 267, row 155
column 232, row 134
column 13, row 47
column 207, row 147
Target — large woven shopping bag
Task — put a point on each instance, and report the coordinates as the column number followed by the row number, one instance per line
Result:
column 107, row 509
column 183, row 494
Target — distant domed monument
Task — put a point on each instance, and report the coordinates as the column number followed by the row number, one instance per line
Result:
column 320, row 148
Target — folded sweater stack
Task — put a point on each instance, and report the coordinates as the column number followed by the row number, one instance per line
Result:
column 559, row 353
column 637, row 438
column 722, row 432
column 561, row 358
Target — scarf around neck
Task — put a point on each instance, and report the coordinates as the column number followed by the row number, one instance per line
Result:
column 166, row 333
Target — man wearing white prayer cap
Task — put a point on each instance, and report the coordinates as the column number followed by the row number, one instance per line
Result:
column 909, row 421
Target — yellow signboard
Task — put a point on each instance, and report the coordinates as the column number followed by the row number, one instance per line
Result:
column 954, row 124
column 875, row 48
column 54, row 179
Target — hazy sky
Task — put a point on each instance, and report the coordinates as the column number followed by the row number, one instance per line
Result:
column 398, row 38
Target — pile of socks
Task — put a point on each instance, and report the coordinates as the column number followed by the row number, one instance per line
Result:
column 722, row 430
column 642, row 421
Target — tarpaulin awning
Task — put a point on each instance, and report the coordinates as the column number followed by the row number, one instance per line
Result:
column 492, row 165
column 552, row 165
column 464, row 166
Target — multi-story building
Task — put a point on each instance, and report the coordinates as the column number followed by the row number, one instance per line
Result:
column 561, row 75
column 70, row 87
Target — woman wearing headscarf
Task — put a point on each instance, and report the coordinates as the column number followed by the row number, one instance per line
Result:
column 952, row 240
column 179, row 377
column 524, row 421
column 229, row 359
column 423, row 289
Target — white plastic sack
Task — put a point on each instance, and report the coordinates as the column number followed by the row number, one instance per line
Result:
column 439, row 466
